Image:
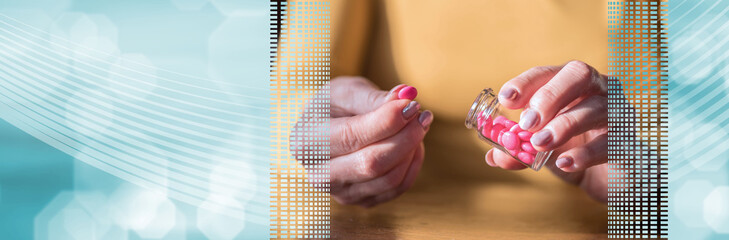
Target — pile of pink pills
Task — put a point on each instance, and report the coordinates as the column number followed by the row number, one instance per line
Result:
column 508, row 134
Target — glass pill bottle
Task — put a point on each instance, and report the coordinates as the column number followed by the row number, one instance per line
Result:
column 501, row 133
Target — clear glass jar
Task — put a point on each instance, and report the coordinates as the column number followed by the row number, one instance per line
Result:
column 492, row 127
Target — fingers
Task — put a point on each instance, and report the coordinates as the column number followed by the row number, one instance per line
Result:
column 497, row 158
column 357, row 95
column 349, row 134
column 585, row 156
column 575, row 79
column 377, row 159
column 407, row 182
column 356, row 192
column 591, row 113
column 516, row 92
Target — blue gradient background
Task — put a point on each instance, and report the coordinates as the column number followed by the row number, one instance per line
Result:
column 698, row 50
column 185, row 36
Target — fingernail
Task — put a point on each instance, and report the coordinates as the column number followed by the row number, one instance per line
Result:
column 410, row 110
column 508, row 94
column 489, row 163
column 396, row 89
column 563, row 162
column 541, row 138
column 426, row 118
column 529, row 119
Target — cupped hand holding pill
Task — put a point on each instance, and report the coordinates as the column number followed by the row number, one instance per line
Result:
column 565, row 110
column 376, row 141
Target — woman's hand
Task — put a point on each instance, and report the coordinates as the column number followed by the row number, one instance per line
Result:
column 566, row 109
column 376, row 142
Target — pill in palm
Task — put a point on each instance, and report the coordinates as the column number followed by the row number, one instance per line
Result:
column 510, row 140
column 407, row 92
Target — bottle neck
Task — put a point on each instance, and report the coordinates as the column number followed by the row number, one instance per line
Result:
column 486, row 103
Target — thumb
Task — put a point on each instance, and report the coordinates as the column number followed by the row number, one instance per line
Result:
column 357, row 95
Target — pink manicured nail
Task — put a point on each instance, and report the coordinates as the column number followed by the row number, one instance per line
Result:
column 563, row 162
column 410, row 110
column 542, row 138
column 508, row 93
column 408, row 93
column 426, row 118
column 529, row 119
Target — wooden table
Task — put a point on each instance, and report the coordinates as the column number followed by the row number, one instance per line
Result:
column 457, row 196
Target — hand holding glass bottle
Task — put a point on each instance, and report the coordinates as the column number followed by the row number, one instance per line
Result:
column 565, row 107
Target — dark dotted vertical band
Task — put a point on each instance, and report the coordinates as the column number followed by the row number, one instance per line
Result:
column 300, row 69
column 637, row 120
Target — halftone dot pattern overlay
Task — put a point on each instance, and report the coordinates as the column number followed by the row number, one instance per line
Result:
column 300, row 60
column 637, row 120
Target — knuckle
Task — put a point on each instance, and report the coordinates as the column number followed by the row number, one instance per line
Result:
column 344, row 199
column 579, row 70
column 368, row 164
column 599, row 102
column 392, row 181
column 568, row 121
column 348, row 136
column 541, row 70
column 547, row 94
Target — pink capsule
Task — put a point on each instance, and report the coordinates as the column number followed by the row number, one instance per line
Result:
column 515, row 129
column 407, row 92
column 500, row 120
column 513, row 152
column 485, row 122
column 510, row 140
column 501, row 133
column 525, row 135
column 526, row 158
column 527, row 147
column 495, row 130
column 486, row 131
column 508, row 124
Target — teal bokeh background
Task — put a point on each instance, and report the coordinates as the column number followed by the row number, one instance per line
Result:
column 211, row 40
column 698, row 36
